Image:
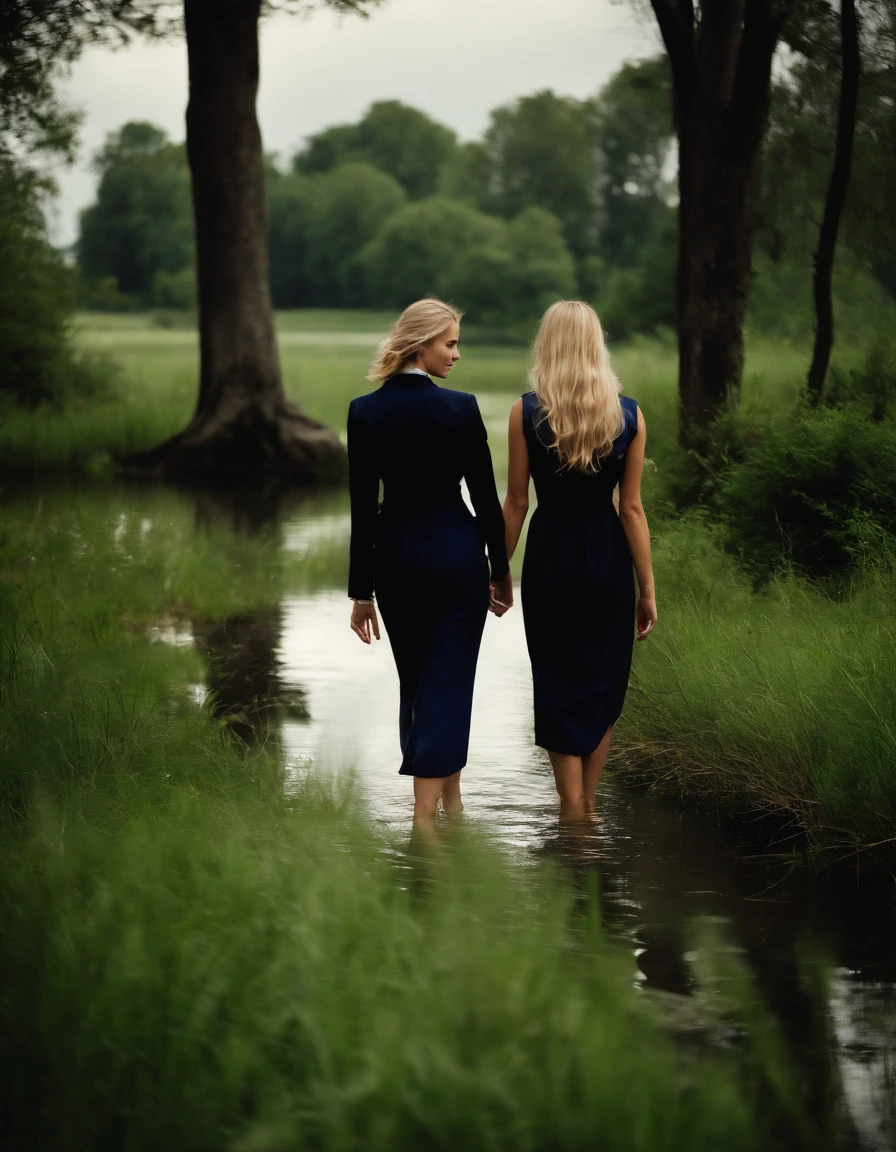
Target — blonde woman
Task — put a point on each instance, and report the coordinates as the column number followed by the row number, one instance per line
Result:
column 422, row 552
column 578, row 439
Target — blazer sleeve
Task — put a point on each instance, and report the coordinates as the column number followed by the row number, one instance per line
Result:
column 364, row 490
column 480, row 478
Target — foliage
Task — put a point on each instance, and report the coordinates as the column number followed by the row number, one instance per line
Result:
column 393, row 137
column 204, row 958
column 411, row 255
column 633, row 138
column 800, row 141
column 642, row 298
column 318, row 224
column 141, row 223
column 816, row 490
column 538, row 152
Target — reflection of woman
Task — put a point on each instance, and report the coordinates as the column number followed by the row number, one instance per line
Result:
column 578, row 439
column 423, row 551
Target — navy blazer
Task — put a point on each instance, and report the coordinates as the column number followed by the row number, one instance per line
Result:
column 420, row 440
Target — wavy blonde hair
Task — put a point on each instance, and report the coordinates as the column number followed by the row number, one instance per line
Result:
column 420, row 322
column 570, row 372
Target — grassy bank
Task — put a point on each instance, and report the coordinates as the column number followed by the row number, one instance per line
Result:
column 779, row 699
column 194, row 959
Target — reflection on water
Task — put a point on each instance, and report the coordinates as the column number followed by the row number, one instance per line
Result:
column 295, row 673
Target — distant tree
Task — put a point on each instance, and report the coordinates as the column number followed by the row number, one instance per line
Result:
column 395, row 138
column 317, row 226
column 413, row 253
column 537, row 152
column 141, row 222
column 543, row 267
column 721, row 59
column 525, row 267
column 641, row 296
column 353, row 202
column 633, row 136
column 293, row 204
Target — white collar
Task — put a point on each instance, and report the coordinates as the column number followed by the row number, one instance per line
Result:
column 415, row 372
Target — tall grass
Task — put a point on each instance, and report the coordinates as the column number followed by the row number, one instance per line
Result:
column 782, row 696
column 194, row 958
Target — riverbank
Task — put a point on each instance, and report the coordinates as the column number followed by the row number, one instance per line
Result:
column 777, row 701
column 204, row 949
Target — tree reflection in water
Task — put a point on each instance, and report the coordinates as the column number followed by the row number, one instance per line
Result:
column 245, row 678
column 796, row 933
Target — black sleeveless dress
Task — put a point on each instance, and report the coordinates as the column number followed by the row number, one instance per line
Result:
column 578, row 591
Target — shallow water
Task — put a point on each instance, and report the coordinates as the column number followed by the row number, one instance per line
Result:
column 294, row 672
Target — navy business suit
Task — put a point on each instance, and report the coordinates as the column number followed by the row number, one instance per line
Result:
column 422, row 552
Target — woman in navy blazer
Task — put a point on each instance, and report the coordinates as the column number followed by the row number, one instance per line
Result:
column 422, row 551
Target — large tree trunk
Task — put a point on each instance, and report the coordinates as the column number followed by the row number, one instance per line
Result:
column 244, row 428
column 721, row 70
column 836, row 198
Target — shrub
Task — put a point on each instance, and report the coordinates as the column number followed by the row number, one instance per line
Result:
column 812, row 490
column 38, row 362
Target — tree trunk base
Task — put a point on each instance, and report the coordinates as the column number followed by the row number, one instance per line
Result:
column 256, row 444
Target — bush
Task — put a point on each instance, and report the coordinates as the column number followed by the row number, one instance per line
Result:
column 813, row 491
column 38, row 362
column 175, row 290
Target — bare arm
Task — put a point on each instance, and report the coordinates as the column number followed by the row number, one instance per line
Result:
column 634, row 522
column 516, row 502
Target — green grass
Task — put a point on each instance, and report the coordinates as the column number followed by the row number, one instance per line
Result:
column 194, row 959
column 780, row 699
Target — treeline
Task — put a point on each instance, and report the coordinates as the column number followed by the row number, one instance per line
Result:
column 560, row 197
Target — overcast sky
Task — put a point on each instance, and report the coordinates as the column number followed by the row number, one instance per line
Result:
column 455, row 59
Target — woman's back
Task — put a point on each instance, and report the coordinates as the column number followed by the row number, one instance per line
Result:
column 569, row 490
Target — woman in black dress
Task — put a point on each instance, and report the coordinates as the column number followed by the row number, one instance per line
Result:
column 578, row 438
column 422, row 551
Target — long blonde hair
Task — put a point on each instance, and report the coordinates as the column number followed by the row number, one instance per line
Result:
column 420, row 322
column 570, row 372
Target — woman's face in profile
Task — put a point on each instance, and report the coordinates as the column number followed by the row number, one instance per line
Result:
column 437, row 357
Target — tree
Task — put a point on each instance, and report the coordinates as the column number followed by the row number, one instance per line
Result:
column 412, row 254
column 353, row 202
column 38, row 362
column 836, row 198
column 395, row 138
column 244, row 428
column 721, row 58
column 633, row 136
column 537, row 152
column 525, row 267
column 141, row 222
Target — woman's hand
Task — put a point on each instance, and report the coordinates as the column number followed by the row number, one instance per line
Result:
column 646, row 616
column 364, row 619
column 501, row 598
